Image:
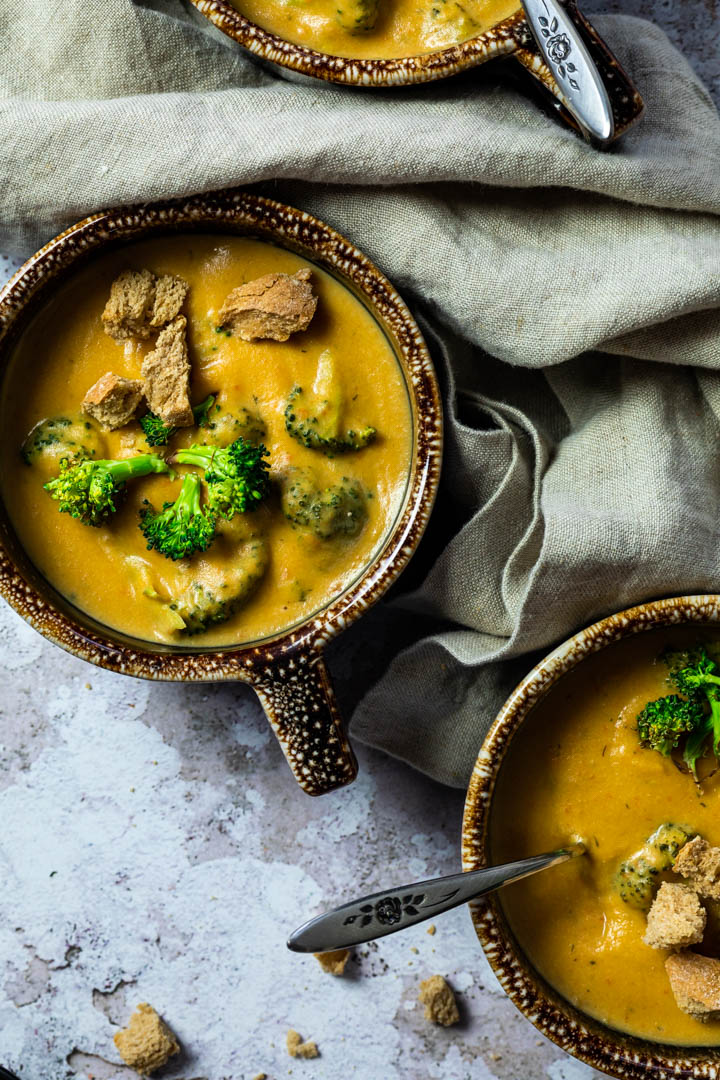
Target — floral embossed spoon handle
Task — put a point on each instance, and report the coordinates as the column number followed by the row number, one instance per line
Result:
column 386, row 912
column 574, row 70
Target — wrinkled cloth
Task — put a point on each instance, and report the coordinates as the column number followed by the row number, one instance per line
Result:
column 571, row 300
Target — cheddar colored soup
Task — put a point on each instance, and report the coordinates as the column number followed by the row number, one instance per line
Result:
column 576, row 769
column 107, row 571
column 361, row 29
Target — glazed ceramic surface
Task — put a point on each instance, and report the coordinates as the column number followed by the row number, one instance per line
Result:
column 511, row 37
column 288, row 671
column 618, row 1054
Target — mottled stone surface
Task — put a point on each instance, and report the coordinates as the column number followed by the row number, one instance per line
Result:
column 154, row 848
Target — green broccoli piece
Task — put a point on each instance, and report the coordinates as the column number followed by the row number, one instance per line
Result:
column 158, row 433
column 662, row 723
column 313, row 417
column 224, row 427
column 692, row 715
column 638, row 875
column 182, row 527
column 357, row 16
column 89, row 490
column 218, row 592
column 62, row 436
column 236, row 475
column 339, row 510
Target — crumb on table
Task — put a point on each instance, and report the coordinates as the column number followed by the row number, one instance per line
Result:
column 335, row 962
column 147, row 1043
column 439, row 1001
column 298, row 1049
column 431, row 929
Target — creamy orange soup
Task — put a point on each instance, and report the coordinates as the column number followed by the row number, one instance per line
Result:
column 400, row 28
column 577, row 770
column 108, row 571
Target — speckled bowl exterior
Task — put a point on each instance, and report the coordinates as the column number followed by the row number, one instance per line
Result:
column 612, row 1052
column 287, row 671
column 511, row 37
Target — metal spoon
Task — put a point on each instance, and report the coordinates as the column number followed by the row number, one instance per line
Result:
column 384, row 913
column 573, row 68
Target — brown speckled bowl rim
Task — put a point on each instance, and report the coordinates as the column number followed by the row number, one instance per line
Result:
column 615, row 1053
column 232, row 211
column 503, row 38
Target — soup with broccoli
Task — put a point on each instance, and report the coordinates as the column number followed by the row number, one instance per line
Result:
column 367, row 29
column 621, row 753
column 206, row 439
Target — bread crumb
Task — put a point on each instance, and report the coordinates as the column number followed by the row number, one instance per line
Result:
column 273, row 306
column 147, row 1043
column 695, row 982
column 299, row 1049
column 699, row 863
column 431, row 929
column 139, row 303
column 260, row 1076
column 166, row 374
column 113, row 400
column 414, row 950
column 676, row 918
column 335, row 962
column 439, row 1001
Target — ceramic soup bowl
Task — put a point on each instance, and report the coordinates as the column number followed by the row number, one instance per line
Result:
column 287, row 671
column 555, row 73
column 621, row 1055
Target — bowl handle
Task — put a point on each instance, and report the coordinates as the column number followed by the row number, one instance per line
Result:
column 299, row 701
column 565, row 53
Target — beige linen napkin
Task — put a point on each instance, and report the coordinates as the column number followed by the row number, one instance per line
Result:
column 585, row 482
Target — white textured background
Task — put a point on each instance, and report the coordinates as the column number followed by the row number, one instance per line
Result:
column 154, row 848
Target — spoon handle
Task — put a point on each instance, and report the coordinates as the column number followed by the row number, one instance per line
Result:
column 386, row 912
column 574, row 70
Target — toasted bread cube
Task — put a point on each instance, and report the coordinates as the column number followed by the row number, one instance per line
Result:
column 170, row 293
column 166, row 375
column 299, row 1049
column 439, row 1001
column 695, row 982
column 274, row 306
column 139, row 303
column 113, row 400
column 147, row 1043
column 699, row 864
column 676, row 919
column 334, row 962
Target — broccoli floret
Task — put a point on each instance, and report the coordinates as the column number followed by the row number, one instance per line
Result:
column 89, row 490
column 158, row 433
column 662, row 723
column 182, row 527
column 217, row 592
column 62, row 436
column 313, row 417
column 693, row 715
column 638, row 875
column 339, row 510
column 236, row 475
column 357, row 16
column 223, row 427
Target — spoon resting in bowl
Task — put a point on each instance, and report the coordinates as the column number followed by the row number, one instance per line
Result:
column 387, row 912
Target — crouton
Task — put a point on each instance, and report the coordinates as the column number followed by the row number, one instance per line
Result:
column 439, row 1001
column 140, row 303
column 166, row 375
column 170, row 293
column 274, row 306
column 146, row 1043
column 335, row 962
column 695, row 982
column 299, row 1049
column 699, row 863
column 113, row 400
column 676, row 918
